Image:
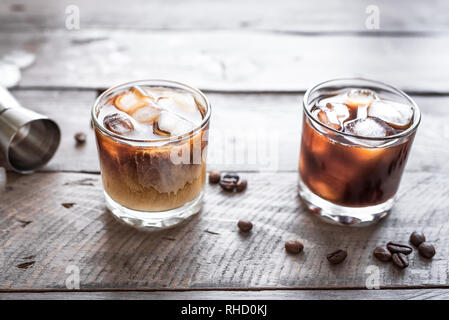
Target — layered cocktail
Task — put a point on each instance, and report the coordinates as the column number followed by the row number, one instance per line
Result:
column 152, row 142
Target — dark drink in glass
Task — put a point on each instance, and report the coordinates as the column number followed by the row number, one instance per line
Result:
column 356, row 138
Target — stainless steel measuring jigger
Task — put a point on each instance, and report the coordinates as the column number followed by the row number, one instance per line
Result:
column 28, row 139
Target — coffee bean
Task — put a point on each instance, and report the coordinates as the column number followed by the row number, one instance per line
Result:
column 244, row 225
column 396, row 247
column 227, row 185
column 416, row 238
column 229, row 181
column 382, row 254
column 400, row 260
column 426, row 250
column 80, row 137
column 214, row 177
column 231, row 177
column 337, row 257
column 241, row 185
column 294, row 246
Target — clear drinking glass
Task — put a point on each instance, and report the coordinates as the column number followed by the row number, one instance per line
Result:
column 155, row 182
column 345, row 178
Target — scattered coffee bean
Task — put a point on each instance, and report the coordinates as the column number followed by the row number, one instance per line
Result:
column 294, row 246
column 337, row 257
column 400, row 260
column 231, row 177
column 382, row 254
column 416, row 238
column 227, row 185
column 214, row 177
column 80, row 137
column 229, row 181
column 396, row 247
column 426, row 250
column 244, row 225
column 241, row 185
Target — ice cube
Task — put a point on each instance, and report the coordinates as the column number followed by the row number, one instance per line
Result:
column 338, row 98
column 182, row 104
column 170, row 124
column 329, row 118
column 397, row 115
column 369, row 127
column 360, row 97
column 118, row 123
column 340, row 109
column 362, row 112
column 333, row 115
column 157, row 92
column 147, row 114
column 131, row 100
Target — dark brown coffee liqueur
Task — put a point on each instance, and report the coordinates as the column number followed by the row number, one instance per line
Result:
column 337, row 257
column 345, row 173
column 426, row 250
column 400, row 260
column 294, row 246
column 396, row 247
column 244, row 225
column 382, row 254
column 214, row 177
column 416, row 238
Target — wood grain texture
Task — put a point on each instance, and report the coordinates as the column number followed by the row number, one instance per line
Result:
column 228, row 60
column 407, row 294
column 253, row 58
column 267, row 15
column 208, row 251
column 249, row 131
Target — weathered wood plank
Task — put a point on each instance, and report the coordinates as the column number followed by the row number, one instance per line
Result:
column 408, row 294
column 229, row 60
column 40, row 238
column 291, row 16
column 242, row 125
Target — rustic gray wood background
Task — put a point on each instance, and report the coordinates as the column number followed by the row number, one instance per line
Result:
column 254, row 59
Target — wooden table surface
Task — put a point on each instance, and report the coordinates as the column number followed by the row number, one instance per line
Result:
column 254, row 60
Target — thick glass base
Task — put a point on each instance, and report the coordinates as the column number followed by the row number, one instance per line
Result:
column 347, row 216
column 154, row 220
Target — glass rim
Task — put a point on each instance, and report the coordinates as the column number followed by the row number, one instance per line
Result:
column 407, row 132
column 161, row 82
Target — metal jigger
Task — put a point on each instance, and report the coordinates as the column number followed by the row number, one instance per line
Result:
column 27, row 139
